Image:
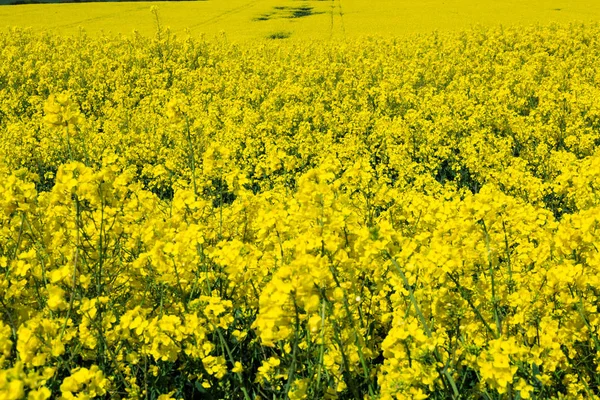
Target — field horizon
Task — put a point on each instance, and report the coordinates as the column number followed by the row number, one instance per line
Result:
column 243, row 20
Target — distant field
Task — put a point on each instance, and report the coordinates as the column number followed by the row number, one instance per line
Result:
column 297, row 19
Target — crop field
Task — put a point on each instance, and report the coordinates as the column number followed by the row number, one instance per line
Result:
column 244, row 20
column 295, row 211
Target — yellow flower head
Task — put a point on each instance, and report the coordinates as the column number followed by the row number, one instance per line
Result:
column 61, row 111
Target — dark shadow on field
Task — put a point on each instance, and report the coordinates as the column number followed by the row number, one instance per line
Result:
column 284, row 12
column 279, row 35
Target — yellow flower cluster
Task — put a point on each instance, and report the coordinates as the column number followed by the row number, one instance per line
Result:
column 394, row 219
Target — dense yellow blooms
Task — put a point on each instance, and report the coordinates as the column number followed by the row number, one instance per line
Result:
column 395, row 219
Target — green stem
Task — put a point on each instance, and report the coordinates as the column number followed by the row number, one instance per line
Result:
column 231, row 359
column 75, row 260
column 463, row 294
column 192, row 154
column 497, row 315
column 294, row 351
column 68, row 143
column 421, row 317
column 322, row 347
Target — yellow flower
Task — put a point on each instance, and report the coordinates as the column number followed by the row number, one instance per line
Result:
column 56, row 298
column 14, row 390
column 167, row 396
column 86, row 382
column 237, row 367
column 42, row 393
column 524, row 389
column 62, row 111
column 298, row 389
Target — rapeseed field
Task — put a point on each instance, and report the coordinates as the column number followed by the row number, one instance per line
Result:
column 356, row 218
